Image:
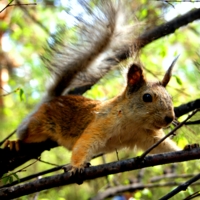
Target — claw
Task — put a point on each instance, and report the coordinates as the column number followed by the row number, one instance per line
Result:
column 12, row 144
column 191, row 146
column 76, row 171
column 6, row 144
column 73, row 170
column 67, row 168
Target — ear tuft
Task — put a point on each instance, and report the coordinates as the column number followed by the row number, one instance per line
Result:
column 168, row 73
column 135, row 77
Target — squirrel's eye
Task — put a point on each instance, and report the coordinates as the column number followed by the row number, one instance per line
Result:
column 147, row 98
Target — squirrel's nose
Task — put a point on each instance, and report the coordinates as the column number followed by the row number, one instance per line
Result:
column 169, row 119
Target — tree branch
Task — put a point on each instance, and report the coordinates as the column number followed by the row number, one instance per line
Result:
column 170, row 176
column 169, row 27
column 98, row 171
column 181, row 187
column 12, row 159
column 113, row 191
column 186, row 108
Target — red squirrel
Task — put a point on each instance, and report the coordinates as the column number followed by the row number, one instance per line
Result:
column 136, row 117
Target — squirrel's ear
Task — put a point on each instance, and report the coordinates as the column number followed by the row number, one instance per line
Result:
column 168, row 73
column 135, row 77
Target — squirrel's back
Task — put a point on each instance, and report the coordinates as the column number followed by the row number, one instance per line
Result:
column 58, row 119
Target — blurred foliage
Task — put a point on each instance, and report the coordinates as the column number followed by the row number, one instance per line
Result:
column 24, row 39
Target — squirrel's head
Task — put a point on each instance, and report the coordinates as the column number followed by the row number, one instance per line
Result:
column 149, row 101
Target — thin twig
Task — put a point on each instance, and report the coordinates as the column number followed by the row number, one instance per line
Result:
column 113, row 191
column 16, row 4
column 171, row 176
column 27, row 178
column 8, row 93
column 7, row 6
column 23, row 8
column 192, row 196
column 169, row 134
column 39, row 159
column 181, row 187
column 24, row 4
column 117, row 154
column 11, row 134
column 20, row 170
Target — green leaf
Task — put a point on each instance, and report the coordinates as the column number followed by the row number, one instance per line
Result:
column 178, row 80
column 10, row 179
column 17, row 177
column 21, row 94
column 5, row 179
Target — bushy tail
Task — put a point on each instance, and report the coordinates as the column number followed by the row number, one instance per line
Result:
column 102, row 40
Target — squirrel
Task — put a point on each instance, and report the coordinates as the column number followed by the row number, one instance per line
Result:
column 134, row 118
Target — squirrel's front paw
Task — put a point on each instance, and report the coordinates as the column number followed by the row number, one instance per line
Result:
column 76, row 169
column 12, row 144
column 191, row 146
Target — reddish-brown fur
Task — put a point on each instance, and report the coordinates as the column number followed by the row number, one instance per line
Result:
column 89, row 127
column 60, row 118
